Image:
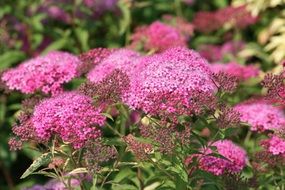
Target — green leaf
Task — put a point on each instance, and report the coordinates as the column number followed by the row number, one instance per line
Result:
column 124, row 187
column 125, row 173
column 78, row 171
column 9, row 58
column 57, row 45
column 48, row 174
column 82, row 36
column 126, row 17
column 153, row 186
column 108, row 116
column 114, row 141
column 221, row 3
column 180, row 183
column 40, row 161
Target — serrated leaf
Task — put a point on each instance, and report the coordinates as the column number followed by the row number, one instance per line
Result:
column 40, row 161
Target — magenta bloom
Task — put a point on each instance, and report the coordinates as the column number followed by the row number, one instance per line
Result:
column 242, row 72
column 70, row 115
column 275, row 145
column 261, row 115
column 237, row 17
column 234, row 161
column 216, row 53
column 158, row 37
column 44, row 73
column 164, row 81
column 122, row 59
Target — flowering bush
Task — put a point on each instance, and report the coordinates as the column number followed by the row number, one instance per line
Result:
column 127, row 95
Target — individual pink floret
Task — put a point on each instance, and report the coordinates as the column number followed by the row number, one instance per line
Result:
column 122, row 59
column 261, row 115
column 158, row 37
column 162, row 81
column 242, row 72
column 44, row 73
column 233, row 162
column 70, row 115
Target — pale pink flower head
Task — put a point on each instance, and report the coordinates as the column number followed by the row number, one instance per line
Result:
column 44, row 73
column 158, row 37
column 70, row 115
column 261, row 115
column 233, row 162
column 162, row 81
column 274, row 145
column 122, row 59
column 242, row 72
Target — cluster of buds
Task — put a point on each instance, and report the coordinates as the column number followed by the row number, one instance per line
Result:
column 141, row 150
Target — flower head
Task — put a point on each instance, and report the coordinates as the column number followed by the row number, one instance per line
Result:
column 234, row 158
column 261, row 115
column 158, row 37
column 71, row 115
column 275, row 145
column 166, row 81
column 45, row 73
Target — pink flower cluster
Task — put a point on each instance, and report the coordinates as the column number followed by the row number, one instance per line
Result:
column 261, row 115
column 71, row 115
column 275, row 145
column 242, row 72
column 234, row 161
column 44, row 73
column 162, row 81
column 158, row 37
column 238, row 17
column 216, row 53
column 122, row 59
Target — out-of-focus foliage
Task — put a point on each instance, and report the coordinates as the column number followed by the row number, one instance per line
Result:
column 272, row 26
column 258, row 6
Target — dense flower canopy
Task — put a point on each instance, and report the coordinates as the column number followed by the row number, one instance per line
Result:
column 71, row 115
column 44, row 73
column 164, row 80
column 234, row 161
column 261, row 115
